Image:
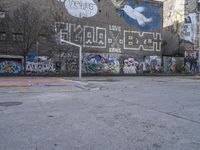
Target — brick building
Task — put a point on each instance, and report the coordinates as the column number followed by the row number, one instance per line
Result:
column 117, row 36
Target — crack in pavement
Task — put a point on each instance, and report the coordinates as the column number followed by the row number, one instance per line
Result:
column 166, row 113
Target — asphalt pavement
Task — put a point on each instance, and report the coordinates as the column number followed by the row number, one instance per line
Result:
column 100, row 113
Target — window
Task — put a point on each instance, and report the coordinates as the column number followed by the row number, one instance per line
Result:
column 2, row 36
column 17, row 37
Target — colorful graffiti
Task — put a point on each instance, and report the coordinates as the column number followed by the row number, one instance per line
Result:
column 149, row 64
column 130, row 66
column 93, row 63
column 173, row 64
column 118, row 63
column 191, row 61
column 141, row 15
column 11, row 67
column 40, row 65
column 169, row 64
column 153, row 63
column 80, row 8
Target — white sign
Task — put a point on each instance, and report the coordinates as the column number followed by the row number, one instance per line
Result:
column 81, row 8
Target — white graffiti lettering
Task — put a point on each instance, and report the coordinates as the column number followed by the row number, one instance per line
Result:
column 40, row 67
column 146, row 41
column 112, row 37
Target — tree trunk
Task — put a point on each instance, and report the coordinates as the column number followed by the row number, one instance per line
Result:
column 24, row 64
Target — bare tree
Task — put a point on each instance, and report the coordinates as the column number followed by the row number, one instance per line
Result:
column 27, row 27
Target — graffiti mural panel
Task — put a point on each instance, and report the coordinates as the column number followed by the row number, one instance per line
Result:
column 188, row 29
column 40, row 65
column 10, row 66
column 173, row 64
column 118, row 63
column 191, row 61
column 131, row 66
column 169, row 64
column 153, row 64
column 96, row 63
column 148, row 64
column 142, row 15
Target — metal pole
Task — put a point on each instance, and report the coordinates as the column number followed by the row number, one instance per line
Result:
column 80, row 55
column 198, row 63
column 37, row 48
column 80, row 63
column 37, row 54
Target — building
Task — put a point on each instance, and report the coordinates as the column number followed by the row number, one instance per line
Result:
column 181, row 36
column 117, row 36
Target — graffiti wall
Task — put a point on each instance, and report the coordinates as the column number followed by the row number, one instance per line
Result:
column 173, row 64
column 113, row 26
column 141, row 14
column 124, row 64
column 10, row 66
column 40, row 65
column 111, row 38
column 191, row 61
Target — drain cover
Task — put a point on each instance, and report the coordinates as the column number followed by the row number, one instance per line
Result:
column 8, row 104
